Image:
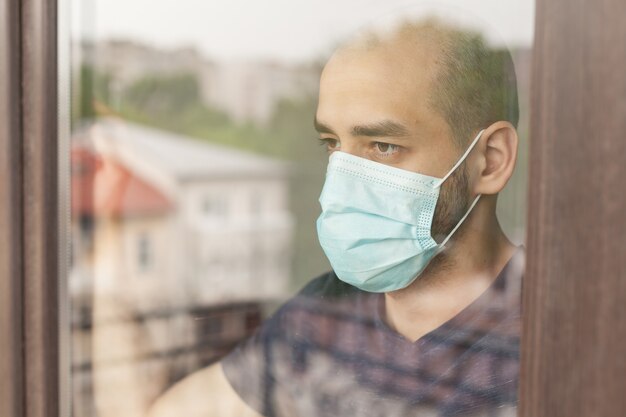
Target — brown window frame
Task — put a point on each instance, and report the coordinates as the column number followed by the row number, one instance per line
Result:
column 11, row 320
column 33, row 355
column 574, row 314
column 573, row 287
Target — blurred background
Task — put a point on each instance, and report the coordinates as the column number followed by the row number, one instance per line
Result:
column 196, row 172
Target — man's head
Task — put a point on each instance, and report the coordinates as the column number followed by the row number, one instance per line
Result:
column 414, row 99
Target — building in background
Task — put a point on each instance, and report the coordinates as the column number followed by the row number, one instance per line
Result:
column 177, row 247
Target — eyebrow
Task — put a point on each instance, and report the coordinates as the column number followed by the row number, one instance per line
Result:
column 383, row 128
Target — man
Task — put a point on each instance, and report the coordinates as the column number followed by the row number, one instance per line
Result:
column 421, row 315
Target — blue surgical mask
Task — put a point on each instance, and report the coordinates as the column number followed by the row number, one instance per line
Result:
column 376, row 220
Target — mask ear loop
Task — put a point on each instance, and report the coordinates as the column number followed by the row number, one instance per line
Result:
column 469, row 210
column 461, row 159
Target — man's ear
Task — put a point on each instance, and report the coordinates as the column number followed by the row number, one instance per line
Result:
column 497, row 159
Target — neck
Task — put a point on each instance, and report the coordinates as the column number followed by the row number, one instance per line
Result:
column 470, row 263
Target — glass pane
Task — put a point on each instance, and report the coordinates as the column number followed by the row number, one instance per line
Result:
column 202, row 241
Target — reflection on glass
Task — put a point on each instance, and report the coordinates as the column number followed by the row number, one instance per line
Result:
column 195, row 184
column 182, row 243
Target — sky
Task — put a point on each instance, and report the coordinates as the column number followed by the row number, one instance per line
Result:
column 288, row 30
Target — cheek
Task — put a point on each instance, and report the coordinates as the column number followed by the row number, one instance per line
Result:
column 422, row 162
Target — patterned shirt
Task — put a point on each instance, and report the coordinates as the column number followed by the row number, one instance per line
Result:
column 329, row 352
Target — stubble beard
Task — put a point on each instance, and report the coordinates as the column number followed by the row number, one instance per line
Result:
column 452, row 205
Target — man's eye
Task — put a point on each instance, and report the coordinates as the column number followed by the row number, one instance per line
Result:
column 386, row 149
column 330, row 143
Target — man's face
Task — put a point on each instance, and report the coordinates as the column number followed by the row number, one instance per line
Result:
column 374, row 104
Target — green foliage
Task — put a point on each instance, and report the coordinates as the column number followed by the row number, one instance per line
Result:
column 173, row 103
column 92, row 87
column 164, row 95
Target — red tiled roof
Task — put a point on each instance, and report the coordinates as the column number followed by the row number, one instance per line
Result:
column 103, row 187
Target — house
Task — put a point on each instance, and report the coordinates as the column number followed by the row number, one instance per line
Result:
column 178, row 246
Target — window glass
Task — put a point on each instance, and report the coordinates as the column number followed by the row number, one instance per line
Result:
column 202, row 136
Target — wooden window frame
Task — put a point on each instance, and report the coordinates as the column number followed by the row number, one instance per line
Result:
column 33, row 217
column 574, row 332
column 11, row 291
column 574, row 313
